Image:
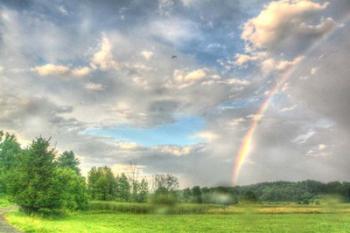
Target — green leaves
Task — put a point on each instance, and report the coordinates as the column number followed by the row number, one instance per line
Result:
column 40, row 182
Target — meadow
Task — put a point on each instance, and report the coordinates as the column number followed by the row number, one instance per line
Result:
column 276, row 218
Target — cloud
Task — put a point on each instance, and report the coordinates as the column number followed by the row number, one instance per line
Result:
column 147, row 54
column 174, row 30
column 94, row 86
column 288, row 109
column 282, row 20
column 51, row 69
column 175, row 150
column 268, row 65
column 277, row 37
column 81, row 71
column 207, row 136
column 189, row 77
column 103, row 58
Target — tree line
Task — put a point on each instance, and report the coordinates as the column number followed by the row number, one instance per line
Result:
column 303, row 192
column 37, row 177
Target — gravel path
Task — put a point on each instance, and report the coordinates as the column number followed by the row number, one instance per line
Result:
column 4, row 226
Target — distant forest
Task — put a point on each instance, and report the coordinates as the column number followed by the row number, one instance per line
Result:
column 38, row 178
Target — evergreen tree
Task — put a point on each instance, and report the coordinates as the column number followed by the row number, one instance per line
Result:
column 68, row 160
column 123, row 187
column 33, row 186
column 10, row 151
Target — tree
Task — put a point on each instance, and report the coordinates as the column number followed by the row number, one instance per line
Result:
column 68, row 160
column 143, row 191
column 187, row 195
column 39, row 184
column 102, row 184
column 250, row 196
column 33, row 187
column 72, row 186
column 197, row 194
column 123, row 187
column 165, row 183
column 165, row 189
column 10, row 150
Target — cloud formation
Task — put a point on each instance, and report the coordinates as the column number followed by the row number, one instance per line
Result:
column 149, row 65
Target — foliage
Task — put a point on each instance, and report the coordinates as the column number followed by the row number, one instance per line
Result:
column 304, row 192
column 72, row 186
column 139, row 190
column 165, row 190
column 101, row 183
column 123, row 187
column 33, row 186
column 38, row 184
column 9, row 152
column 68, row 160
column 4, row 202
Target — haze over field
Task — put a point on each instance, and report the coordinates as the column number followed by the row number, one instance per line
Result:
column 174, row 85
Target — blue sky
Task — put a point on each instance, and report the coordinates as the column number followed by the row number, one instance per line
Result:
column 181, row 133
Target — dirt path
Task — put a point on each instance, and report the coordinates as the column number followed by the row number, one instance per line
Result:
column 4, row 226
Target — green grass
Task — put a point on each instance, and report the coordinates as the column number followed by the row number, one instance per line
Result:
column 4, row 202
column 144, row 223
column 263, row 218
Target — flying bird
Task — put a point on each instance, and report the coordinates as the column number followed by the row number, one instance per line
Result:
column 173, row 57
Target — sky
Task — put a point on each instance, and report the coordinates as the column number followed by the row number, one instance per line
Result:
column 174, row 86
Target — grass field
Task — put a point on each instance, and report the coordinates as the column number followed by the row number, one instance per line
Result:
column 4, row 202
column 272, row 219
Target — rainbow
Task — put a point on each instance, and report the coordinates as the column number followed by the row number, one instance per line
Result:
column 247, row 142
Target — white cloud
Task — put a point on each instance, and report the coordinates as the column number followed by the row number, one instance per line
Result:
column 182, row 79
column 288, row 109
column 313, row 70
column 276, row 39
column 51, row 69
column 301, row 139
column 322, row 147
column 81, row 71
column 147, row 54
column 103, row 58
column 236, row 121
column 207, row 136
column 94, row 86
column 271, row 64
column 174, row 150
column 281, row 18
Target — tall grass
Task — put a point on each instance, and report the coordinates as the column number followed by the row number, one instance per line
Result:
column 147, row 208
